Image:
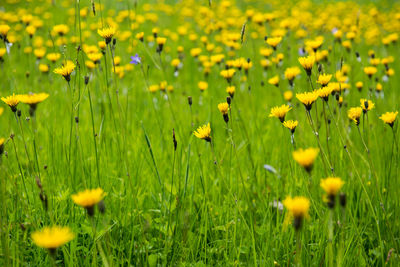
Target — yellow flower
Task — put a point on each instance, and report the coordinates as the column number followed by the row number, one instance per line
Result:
column 354, row 114
column 66, row 70
column 230, row 90
column 291, row 125
column 61, row 29
column 389, row 118
column 274, row 41
column 195, row 52
column 202, row 85
column 175, row 63
column 12, row 101
column 331, row 185
column 366, row 105
column 53, row 57
column 228, row 74
column 4, row 28
column 323, row 79
column 359, row 85
column 88, row 198
column 288, row 95
column 1, row 111
column 1, row 146
column 204, row 132
column 307, row 98
column 30, row 30
column 32, row 100
column 291, row 73
column 307, row 63
column 306, row 157
column 223, row 108
column 160, row 41
column 298, row 208
column 140, row 36
column 370, row 70
column 274, row 80
column 280, row 112
column 107, row 33
column 52, row 237
column 324, row 92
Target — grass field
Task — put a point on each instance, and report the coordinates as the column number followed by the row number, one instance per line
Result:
column 111, row 95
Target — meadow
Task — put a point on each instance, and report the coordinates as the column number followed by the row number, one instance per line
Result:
column 199, row 133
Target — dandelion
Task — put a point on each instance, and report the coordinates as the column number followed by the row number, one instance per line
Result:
column 291, row 73
column 2, row 140
column 12, row 101
column 306, row 157
column 202, row 86
column 140, row 36
column 88, row 198
column 231, row 91
column 288, row 95
column 224, row 108
column 136, row 59
column 323, row 79
column 228, row 74
column 366, row 105
column 307, row 98
column 1, row 111
column 33, row 100
column 274, row 80
column 66, row 70
column 331, row 186
column 160, row 42
column 52, row 238
column 280, row 112
column 273, row 41
column 324, row 92
column 307, row 63
column 359, row 85
column 4, row 29
column 203, row 132
column 370, row 71
column 107, row 33
column 291, row 125
column 298, row 208
column 389, row 118
column 354, row 114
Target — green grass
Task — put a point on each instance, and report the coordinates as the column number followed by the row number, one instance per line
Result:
column 205, row 203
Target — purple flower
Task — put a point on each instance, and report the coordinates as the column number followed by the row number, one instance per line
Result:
column 136, row 59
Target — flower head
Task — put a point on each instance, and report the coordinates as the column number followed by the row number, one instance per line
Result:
column 366, row 105
column 88, row 198
column 389, row 118
column 107, row 33
column 202, row 85
column 52, row 237
column 370, row 71
column 291, row 125
column 12, row 101
column 307, row 63
column 66, row 70
column 136, row 59
column 230, row 90
column 307, row 98
column 32, row 100
column 280, row 112
column 306, row 157
column 2, row 140
column 291, row 73
column 331, row 186
column 324, row 92
column 203, row 132
column 273, row 41
column 224, row 108
column 323, row 79
column 274, row 80
column 298, row 208
column 354, row 114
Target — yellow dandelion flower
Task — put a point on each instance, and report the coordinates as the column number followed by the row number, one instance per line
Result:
column 354, row 114
column 370, row 71
column 32, row 100
column 66, row 70
column 298, row 208
column 307, row 98
column 280, row 112
column 366, row 105
column 203, row 132
column 12, row 101
column 88, row 198
column 307, row 63
column 52, row 237
column 291, row 73
column 323, row 79
column 306, row 157
column 231, row 90
column 331, row 185
column 273, row 41
column 291, row 125
column 288, row 95
column 202, row 85
column 107, row 33
column 224, row 108
column 389, row 118
column 324, row 92
column 274, row 80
